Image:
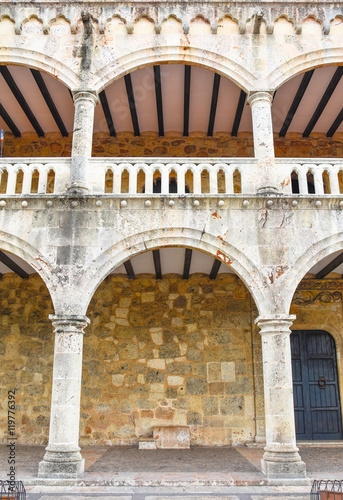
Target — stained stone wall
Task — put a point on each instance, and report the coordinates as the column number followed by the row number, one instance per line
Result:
column 197, row 145
column 157, row 352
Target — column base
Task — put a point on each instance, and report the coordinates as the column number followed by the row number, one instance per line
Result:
column 268, row 189
column 61, row 465
column 283, row 465
column 77, row 188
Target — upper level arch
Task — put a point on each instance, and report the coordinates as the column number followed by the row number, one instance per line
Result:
column 306, row 61
column 41, row 62
column 175, row 54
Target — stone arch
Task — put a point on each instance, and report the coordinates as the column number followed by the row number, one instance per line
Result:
column 196, row 239
column 32, row 256
column 128, row 63
column 305, row 262
column 45, row 63
column 303, row 62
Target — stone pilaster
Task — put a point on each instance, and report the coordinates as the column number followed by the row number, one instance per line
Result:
column 63, row 458
column 281, row 458
column 82, row 140
column 261, row 104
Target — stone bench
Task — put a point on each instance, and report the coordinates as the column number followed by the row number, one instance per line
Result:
column 172, row 437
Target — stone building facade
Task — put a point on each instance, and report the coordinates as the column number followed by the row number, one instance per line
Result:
column 173, row 242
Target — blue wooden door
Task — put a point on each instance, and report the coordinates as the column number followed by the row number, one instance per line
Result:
column 315, row 386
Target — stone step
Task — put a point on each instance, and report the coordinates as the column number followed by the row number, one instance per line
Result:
column 147, row 443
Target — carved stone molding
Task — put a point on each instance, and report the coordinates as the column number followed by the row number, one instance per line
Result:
column 313, row 284
column 308, row 297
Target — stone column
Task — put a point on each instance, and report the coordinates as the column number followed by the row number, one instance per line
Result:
column 281, row 458
column 63, row 458
column 261, row 105
column 82, row 140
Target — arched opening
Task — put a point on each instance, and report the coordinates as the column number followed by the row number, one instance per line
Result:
column 26, row 349
column 172, row 182
column 50, row 188
column 4, row 180
column 326, row 182
column 310, row 183
column 157, row 186
column 237, row 181
column 125, row 178
column 295, row 183
column 177, row 349
column 149, row 103
column 140, row 181
column 316, row 341
column 38, row 113
column 221, row 181
column 109, row 181
column 189, row 181
column 205, row 181
column 19, row 182
column 34, row 182
column 306, row 114
column 340, row 181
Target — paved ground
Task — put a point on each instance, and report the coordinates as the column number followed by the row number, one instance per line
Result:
column 117, row 473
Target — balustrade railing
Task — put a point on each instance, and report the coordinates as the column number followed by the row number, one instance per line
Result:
column 163, row 176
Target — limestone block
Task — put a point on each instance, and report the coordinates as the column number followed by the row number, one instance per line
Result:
column 147, row 444
column 172, row 437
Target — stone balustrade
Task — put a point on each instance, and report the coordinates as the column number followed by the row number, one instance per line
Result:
column 180, row 176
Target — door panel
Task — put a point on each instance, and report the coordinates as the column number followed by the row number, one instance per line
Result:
column 315, row 386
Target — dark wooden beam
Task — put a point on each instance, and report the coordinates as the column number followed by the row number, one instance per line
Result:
column 215, row 269
column 9, row 122
column 239, row 112
column 129, row 270
column 157, row 264
column 132, row 104
column 337, row 261
column 49, row 102
column 214, row 102
column 159, row 104
column 21, row 100
column 5, row 259
column 107, row 113
column 296, row 101
column 187, row 265
column 324, row 100
column 186, row 100
column 335, row 124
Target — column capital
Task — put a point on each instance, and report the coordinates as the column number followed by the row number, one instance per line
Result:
column 260, row 95
column 275, row 323
column 87, row 95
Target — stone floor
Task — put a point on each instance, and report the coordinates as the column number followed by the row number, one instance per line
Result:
column 200, row 473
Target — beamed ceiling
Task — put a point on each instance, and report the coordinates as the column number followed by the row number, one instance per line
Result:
column 171, row 99
column 176, row 260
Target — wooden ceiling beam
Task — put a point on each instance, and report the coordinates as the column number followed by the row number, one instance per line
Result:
column 159, row 103
column 215, row 269
column 107, row 113
column 157, row 263
column 239, row 113
column 187, row 265
column 5, row 259
column 296, row 101
column 129, row 270
column 337, row 261
column 21, row 100
column 49, row 101
column 324, row 100
column 9, row 122
column 186, row 100
column 132, row 104
column 335, row 124
column 214, row 102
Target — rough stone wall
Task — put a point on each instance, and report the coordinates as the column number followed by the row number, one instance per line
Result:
column 26, row 356
column 169, row 352
column 125, row 144
column 162, row 352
